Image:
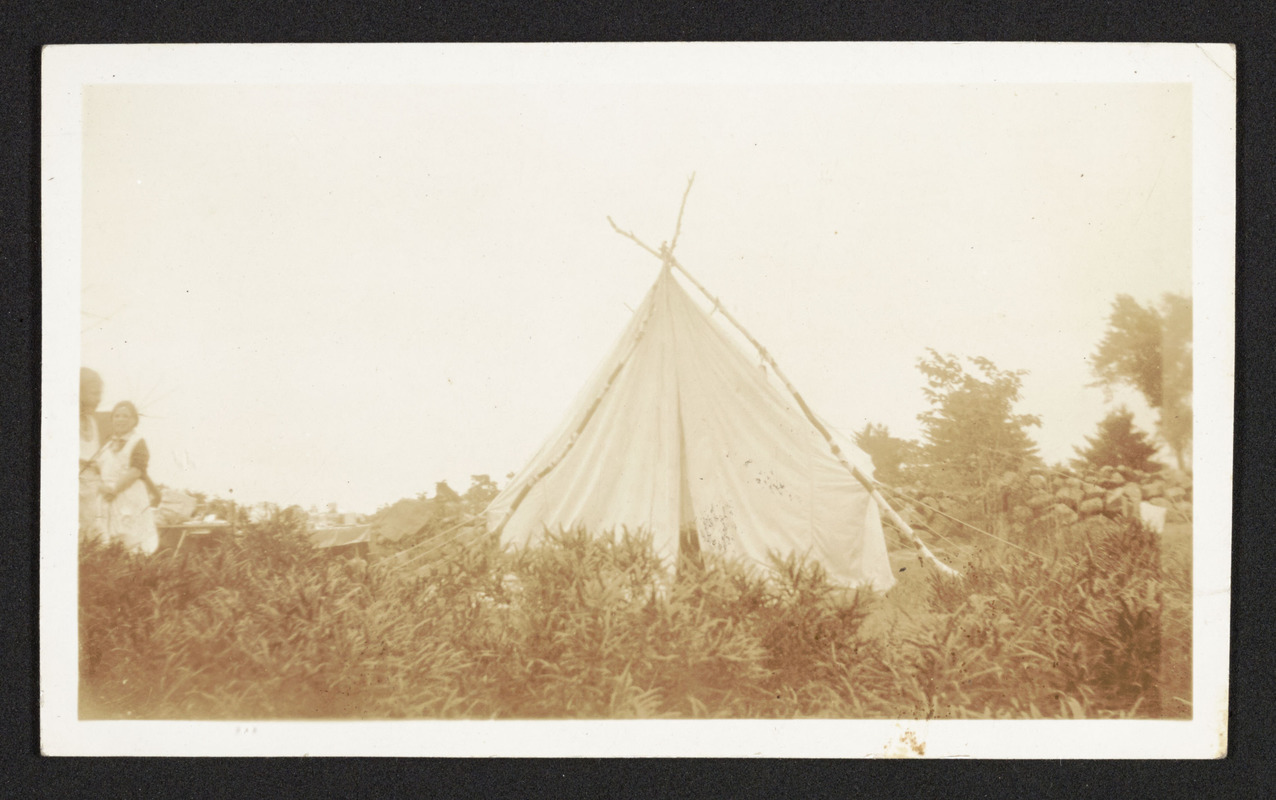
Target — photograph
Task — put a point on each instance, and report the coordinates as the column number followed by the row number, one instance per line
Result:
column 819, row 400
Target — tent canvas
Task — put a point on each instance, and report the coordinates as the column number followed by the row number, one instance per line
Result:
column 342, row 536
column 679, row 425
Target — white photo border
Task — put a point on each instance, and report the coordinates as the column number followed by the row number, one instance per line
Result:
column 1210, row 69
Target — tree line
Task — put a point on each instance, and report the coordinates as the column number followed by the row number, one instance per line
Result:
column 971, row 432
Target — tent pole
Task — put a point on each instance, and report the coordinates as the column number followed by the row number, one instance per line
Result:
column 819, row 426
column 580, row 429
column 665, row 254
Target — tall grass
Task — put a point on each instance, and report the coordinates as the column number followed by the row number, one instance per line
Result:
column 264, row 626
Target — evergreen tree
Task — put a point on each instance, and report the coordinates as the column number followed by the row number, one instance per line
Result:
column 890, row 455
column 1119, row 444
column 1149, row 349
column 972, row 433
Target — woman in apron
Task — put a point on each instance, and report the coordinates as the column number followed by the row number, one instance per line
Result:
column 129, row 517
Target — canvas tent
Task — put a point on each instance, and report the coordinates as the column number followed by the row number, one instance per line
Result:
column 679, row 426
column 343, row 538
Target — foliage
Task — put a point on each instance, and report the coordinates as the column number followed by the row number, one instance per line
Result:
column 1175, row 423
column 1080, row 634
column 1149, row 348
column 294, row 517
column 413, row 521
column 222, row 508
column 1130, row 352
column 481, row 492
column 584, row 627
column 1119, row 444
column 445, row 494
column 891, row 456
column 972, row 433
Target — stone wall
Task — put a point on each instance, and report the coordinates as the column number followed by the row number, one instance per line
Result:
column 1057, row 496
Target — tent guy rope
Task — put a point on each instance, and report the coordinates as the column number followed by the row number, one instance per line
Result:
column 902, row 496
column 402, row 559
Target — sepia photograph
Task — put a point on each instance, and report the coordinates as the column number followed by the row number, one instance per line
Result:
column 750, row 400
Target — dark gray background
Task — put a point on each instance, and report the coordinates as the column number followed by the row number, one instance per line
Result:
column 25, row 27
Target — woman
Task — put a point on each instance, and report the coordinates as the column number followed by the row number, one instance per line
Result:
column 123, row 463
column 91, row 521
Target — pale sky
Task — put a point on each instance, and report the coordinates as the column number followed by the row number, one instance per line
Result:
column 344, row 294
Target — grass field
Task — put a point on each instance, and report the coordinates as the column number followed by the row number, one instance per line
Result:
column 265, row 627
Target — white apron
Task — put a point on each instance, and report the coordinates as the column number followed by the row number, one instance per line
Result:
column 129, row 517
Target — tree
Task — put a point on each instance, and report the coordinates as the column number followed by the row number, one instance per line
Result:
column 889, row 454
column 228, row 510
column 294, row 518
column 482, row 490
column 1119, row 444
column 1175, row 420
column 971, row 432
column 444, row 494
column 1149, row 349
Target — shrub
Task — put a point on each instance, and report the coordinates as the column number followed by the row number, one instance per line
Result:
column 265, row 626
column 1078, row 636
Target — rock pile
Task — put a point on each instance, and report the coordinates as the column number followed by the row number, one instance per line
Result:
column 1061, row 496
column 1112, row 491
